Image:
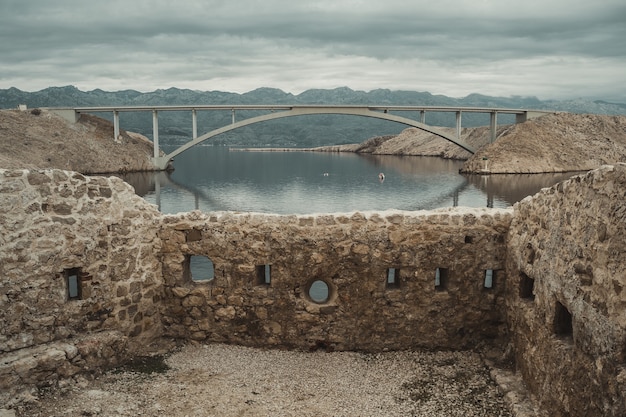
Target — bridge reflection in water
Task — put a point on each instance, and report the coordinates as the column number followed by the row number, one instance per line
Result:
column 216, row 179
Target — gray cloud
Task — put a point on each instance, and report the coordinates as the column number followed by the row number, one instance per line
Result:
column 549, row 48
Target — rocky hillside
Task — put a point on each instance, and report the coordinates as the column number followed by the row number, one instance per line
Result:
column 559, row 142
column 416, row 142
column 38, row 139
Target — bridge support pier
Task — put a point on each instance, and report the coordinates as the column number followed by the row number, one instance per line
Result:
column 493, row 126
column 155, row 132
column 161, row 162
column 71, row 115
column 194, row 124
column 116, row 125
column 458, row 125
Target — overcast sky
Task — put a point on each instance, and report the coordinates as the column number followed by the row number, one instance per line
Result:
column 551, row 49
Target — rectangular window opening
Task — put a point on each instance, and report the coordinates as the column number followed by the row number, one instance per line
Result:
column 198, row 268
column 490, row 279
column 562, row 321
column 72, row 280
column 441, row 279
column 526, row 287
column 263, row 274
column 393, row 277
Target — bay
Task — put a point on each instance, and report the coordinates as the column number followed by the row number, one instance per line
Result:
column 216, row 178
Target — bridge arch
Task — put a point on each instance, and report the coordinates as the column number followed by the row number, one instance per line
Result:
column 162, row 161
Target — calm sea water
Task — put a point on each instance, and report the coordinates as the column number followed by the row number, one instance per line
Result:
column 212, row 178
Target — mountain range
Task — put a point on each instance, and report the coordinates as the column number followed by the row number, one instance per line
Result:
column 317, row 130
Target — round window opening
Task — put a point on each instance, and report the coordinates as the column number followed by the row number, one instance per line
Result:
column 319, row 292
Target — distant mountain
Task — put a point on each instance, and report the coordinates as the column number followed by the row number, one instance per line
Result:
column 319, row 130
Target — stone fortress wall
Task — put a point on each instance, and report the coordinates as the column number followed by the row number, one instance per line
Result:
column 566, row 295
column 80, row 279
column 352, row 255
column 91, row 274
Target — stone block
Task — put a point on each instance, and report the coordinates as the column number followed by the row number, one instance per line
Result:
column 225, row 313
column 36, row 178
column 193, row 301
column 199, row 335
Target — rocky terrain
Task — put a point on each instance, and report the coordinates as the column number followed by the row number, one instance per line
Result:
column 558, row 142
column 39, row 139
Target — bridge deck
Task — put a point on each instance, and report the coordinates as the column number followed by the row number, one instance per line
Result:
column 284, row 110
column 87, row 109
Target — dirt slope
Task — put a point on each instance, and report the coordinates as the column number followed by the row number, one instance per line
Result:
column 39, row 139
column 559, row 142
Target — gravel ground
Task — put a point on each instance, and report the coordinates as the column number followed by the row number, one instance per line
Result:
column 223, row 380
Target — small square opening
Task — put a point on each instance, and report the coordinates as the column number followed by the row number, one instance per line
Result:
column 393, row 278
column 441, row 279
column 562, row 321
column 526, row 287
column 73, row 284
column 263, row 274
column 490, row 279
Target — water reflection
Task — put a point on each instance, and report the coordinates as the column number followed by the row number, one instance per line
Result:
column 215, row 179
column 515, row 187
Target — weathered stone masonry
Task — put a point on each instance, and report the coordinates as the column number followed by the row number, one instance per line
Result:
column 59, row 226
column 566, row 299
column 90, row 274
column 351, row 254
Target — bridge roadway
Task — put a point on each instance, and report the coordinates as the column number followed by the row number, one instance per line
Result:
column 281, row 111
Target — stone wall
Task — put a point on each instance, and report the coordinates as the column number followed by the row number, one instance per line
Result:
column 351, row 254
column 80, row 281
column 566, row 299
column 90, row 274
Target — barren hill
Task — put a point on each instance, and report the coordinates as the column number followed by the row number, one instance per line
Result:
column 39, row 139
column 558, row 142
column 417, row 142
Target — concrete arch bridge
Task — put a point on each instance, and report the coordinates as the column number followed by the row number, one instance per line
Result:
column 282, row 111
